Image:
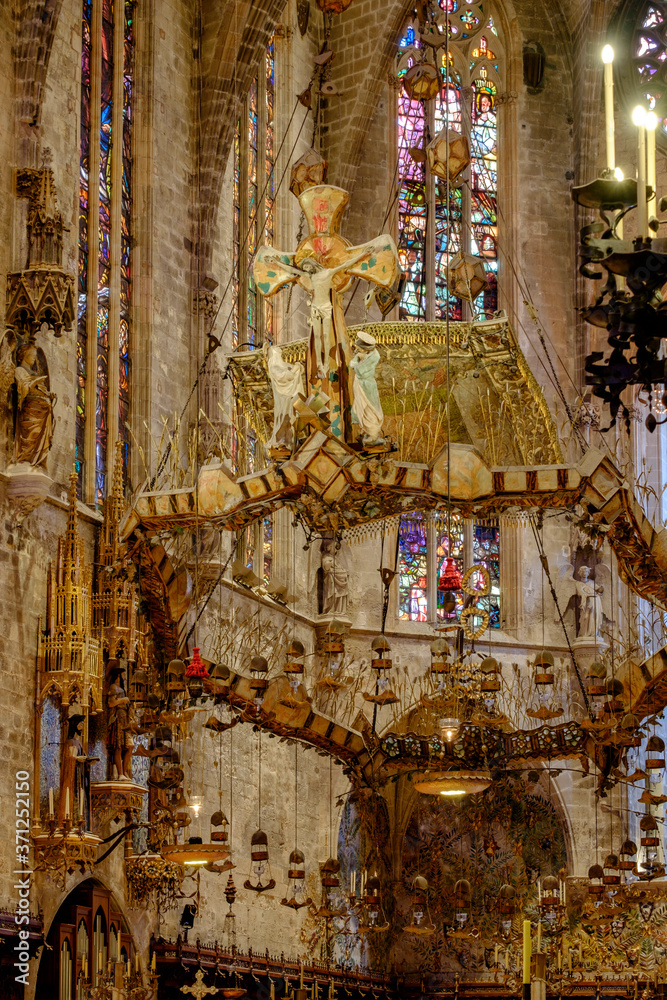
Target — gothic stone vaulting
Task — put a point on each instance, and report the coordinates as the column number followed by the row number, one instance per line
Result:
column 333, row 554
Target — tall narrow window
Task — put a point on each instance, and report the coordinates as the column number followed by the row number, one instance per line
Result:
column 253, row 192
column 431, row 227
column 105, row 223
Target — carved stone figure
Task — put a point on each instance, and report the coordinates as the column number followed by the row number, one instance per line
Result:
column 122, row 722
column 73, row 775
column 332, row 583
column 590, row 604
column 287, row 384
column 366, row 406
column 584, row 597
column 34, row 408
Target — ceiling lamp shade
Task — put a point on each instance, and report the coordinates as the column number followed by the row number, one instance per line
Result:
column 195, row 854
column 466, row 276
column 452, row 783
column 459, row 155
column 421, row 82
column 595, row 884
column 296, row 881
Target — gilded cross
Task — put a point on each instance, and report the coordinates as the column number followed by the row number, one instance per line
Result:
column 199, row 990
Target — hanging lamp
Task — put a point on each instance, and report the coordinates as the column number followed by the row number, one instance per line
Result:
column 371, row 911
column 420, row 914
column 453, row 783
column 381, row 662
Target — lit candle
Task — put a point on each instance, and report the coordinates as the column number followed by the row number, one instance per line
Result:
column 608, row 59
column 526, row 951
column 639, row 119
column 51, row 811
column 651, row 124
column 67, row 803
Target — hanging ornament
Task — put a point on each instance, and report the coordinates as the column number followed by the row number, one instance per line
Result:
column 333, row 651
column 596, row 687
column 229, row 923
column 381, row 662
column 450, row 578
column 296, row 881
column 462, row 903
column 441, row 663
column 506, row 908
column 648, row 866
column 310, row 170
column 421, row 82
column 194, row 675
column 457, row 161
column 176, row 679
column 293, row 670
column 595, row 884
column 139, row 686
column 655, row 758
column 259, row 863
column 259, row 668
column 371, row 912
column 466, row 276
column 626, row 856
column 330, row 880
column 333, row 6
column 611, row 868
column 420, row 915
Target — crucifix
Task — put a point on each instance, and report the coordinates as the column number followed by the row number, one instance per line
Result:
column 199, row 990
column 323, row 265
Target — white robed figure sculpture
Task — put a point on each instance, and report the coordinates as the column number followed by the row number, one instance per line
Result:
column 287, row 384
column 366, row 406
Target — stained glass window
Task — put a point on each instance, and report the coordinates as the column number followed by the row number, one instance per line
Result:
column 105, row 223
column 468, row 223
column 468, row 543
column 413, row 569
column 253, row 216
column 267, row 547
column 649, row 58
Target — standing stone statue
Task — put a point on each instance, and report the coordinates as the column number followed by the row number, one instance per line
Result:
column 122, row 722
column 366, row 406
column 590, row 604
column 332, row 583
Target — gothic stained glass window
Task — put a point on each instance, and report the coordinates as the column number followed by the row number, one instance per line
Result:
column 104, row 257
column 125, row 238
column 105, row 223
column 468, row 543
column 467, row 102
column 267, row 547
column 413, row 569
column 486, row 552
column 649, row 57
column 252, row 210
column 82, row 289
column 450, row 542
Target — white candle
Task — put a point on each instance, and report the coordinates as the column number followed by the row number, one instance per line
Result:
column 539, row 935
column 67, row 803
column 639, row 119
column 51, row 812
column 153, row 963
column 495, row 955
column 608, row 59
column 353, row 883
column 81, row 809
column 560, row 960
column 651, row 124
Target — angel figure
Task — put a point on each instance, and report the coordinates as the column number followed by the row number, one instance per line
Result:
column 33, row 401
column 585, row 597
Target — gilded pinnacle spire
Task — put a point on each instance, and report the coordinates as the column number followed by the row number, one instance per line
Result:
column 72, row 516
column 117, row 486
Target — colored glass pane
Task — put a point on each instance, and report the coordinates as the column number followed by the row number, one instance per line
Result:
column 450, row 543
column 413, row 569
column 411, row 207
column 267, row 547
column 486, row 552
column 82, row 285
column 236, row 236
column 649, row 57
column 126, row 238
column 251, row 291
column 269, row 100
